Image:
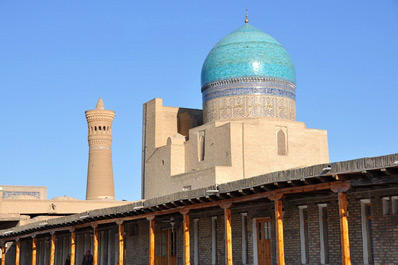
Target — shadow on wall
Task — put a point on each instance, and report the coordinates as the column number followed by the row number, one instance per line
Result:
column 187, row 119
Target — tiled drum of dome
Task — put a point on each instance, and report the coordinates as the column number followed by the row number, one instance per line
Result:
column 248, row 74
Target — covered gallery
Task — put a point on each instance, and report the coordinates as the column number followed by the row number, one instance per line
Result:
column 342, row 213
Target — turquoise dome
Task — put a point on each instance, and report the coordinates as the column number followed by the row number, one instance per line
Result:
column 247, row 52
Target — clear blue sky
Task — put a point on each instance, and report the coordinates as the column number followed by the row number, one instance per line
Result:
column 58, row 57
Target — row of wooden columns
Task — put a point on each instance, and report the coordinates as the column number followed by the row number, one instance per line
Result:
column 344, row 235
column 186, row 231
column 72, row 247
column 277, row 198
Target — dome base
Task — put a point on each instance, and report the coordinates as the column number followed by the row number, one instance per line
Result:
column 249, row 97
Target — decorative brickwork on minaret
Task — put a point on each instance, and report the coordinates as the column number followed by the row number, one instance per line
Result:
column 100, row 173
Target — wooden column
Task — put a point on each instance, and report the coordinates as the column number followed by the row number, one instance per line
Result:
column 280, row 243
column 52, row 253
column 34, row 249
column 121, row 242
column 151, row 220
column 17, row 251
column 72, row 247
column 95, row 245
column 228, row 233
column 187, row 245
column 3, row 253
column 344, row 235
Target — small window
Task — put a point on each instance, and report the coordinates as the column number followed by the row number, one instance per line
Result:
column 214, row 240
column 196, row 241
column 201, row 145
column 303, row 215
column 103, row 128
column 367, row 233
column 323, row 233
column 386, row 205
column 281, row 143
column 244, row 238
column 95, row 128
column 394, row 202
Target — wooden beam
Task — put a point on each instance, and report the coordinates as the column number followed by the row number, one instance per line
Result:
column 209, row 198
column 244, row 192
column 344, row 236
column 223, row 196
column 322, row 179
column 95, row 245
column 72, row 247
column 375, row 181
column 52, row 250
column 306, row 181
column 17, row 251
column 151, row 220
column 289, row 182
column 34, row 250
column 256, row 189
column 228, row 234
column 187, row 246
column 200, row 200
column 385, row 171
column 121, row 243
column 3, row 253
column 264, row 187
column 280, row 246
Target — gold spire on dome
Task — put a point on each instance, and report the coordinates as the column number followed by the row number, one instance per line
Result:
column 247, row 16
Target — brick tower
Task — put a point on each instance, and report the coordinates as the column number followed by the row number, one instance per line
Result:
column 100, row 173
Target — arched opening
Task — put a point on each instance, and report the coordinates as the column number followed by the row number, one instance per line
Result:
column 281, row 143
column 201, row 145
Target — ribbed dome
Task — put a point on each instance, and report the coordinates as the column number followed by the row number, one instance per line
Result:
column 247, row 52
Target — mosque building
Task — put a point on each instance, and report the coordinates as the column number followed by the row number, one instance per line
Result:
column 248, row 119
column 239, row 182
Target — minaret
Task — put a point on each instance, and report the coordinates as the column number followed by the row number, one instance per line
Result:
column 100, row 172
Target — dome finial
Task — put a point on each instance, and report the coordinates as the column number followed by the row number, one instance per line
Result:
column 247, row 16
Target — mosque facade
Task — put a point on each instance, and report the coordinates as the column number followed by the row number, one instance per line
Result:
column 248, row 119
column 239, row 182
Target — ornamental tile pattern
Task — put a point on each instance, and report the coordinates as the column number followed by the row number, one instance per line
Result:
column 249, row 106
column 7, row 194
column 247, row 52
column 249, row 86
